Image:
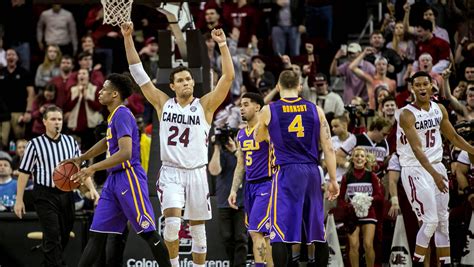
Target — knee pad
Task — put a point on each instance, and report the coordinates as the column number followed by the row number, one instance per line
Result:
column 198, row 234
column 429, row 229
column 172, row 226
column 443, row 227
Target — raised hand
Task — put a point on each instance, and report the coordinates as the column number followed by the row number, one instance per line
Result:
column 218, row 36
column 127, row 28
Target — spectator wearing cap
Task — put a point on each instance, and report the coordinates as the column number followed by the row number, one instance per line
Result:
column 258, row 80
column 149, row 56
column 429, row 43
column 377, row 45
column 354, row 86
column 320, row 95
column 375, row 80
column 7, row 185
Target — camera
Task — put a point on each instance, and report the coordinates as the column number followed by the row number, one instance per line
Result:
column 224, row 133
column 359, row 111
column 466, row 130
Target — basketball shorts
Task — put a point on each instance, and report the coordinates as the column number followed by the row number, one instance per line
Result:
column 429, row 204
column 257, row 205
column 185, row 189
column 124, row 198
column 297, row 209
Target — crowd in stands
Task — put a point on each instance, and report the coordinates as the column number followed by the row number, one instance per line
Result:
column 61, row 55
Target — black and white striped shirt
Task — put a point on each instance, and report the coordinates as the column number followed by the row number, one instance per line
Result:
column 43, row 154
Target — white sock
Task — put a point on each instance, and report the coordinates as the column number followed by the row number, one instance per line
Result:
column 198, row 265
column 175, row 262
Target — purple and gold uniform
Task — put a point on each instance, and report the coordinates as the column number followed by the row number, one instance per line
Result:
column 125, row 193
column 258, row 184
column 297, row 201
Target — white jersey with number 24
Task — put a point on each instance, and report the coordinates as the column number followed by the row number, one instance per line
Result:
column 184, row 134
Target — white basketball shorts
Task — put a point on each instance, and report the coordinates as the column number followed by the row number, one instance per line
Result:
column 429, row 204
column 185, row 189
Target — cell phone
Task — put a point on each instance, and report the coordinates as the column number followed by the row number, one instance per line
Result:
column 344, row 49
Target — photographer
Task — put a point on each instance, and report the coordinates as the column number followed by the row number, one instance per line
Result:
column 232, row 227
column 358, row 115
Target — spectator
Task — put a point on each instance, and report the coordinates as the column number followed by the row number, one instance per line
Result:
column 99, row 58
column 19, row 36
column 45, row 98
column 232, row 221
column 353, row 85
column 149, row 56
column 49, row 68
column 430, row 15
column 319, row 19
column 405, row 48
column 242, row 16
column 83, row 109
column 58, row 27
column 330, row 102
column 258, row 80
column 389, row 108
column 425, row 63
column 360, row 179
column 469, row 72
column 3, row 55
column 60, row 81
column 86, row 62
column 378, row 48
column 7, row 185
column 19, row 96
column 286, row 21
column 373, row 81
column 212, row 20
column 19, row 152
column 436, row 47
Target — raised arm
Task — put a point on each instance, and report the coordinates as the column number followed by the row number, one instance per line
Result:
column 211, row 101
column 448, row 131
column 407, row 123
column 155, row 96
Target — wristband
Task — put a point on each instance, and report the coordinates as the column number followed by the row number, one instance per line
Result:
column 221, row 44
column 394, row 200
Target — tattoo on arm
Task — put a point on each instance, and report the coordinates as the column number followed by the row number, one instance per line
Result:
column 238, row 172
column 326, row 129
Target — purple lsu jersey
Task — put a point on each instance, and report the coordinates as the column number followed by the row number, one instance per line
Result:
column 121, row 122
column 124, row 196
column 294, row 131
column 257, row 155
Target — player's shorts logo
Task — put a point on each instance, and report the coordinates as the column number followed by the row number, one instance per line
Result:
column 193, row 109
column 268, row 225
column 272, row 235
column 145, row 224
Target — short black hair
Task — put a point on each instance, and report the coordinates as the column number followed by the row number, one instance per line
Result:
column 254, row 97
column 51, row 108
column 387, row 99
column 178, row 70
column 429, row 7
column 426, row 25
column 122, row 84
column 420, row 74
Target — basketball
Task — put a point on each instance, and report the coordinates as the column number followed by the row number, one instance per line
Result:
column 62, row 176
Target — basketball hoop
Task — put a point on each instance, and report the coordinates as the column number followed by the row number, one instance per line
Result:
column 116, row 12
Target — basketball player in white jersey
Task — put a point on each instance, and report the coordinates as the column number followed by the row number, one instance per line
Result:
column 424, row 178
column 184, row 126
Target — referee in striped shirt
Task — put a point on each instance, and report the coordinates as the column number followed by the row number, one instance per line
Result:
column 54, row 207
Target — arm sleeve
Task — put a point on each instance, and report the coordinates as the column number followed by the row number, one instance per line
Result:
column 28, row 162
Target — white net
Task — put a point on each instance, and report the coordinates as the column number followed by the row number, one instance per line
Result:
column 116, row 12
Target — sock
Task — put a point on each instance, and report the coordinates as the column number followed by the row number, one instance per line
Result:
column 198, row 265
column 175, row 262
column 259, row 264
